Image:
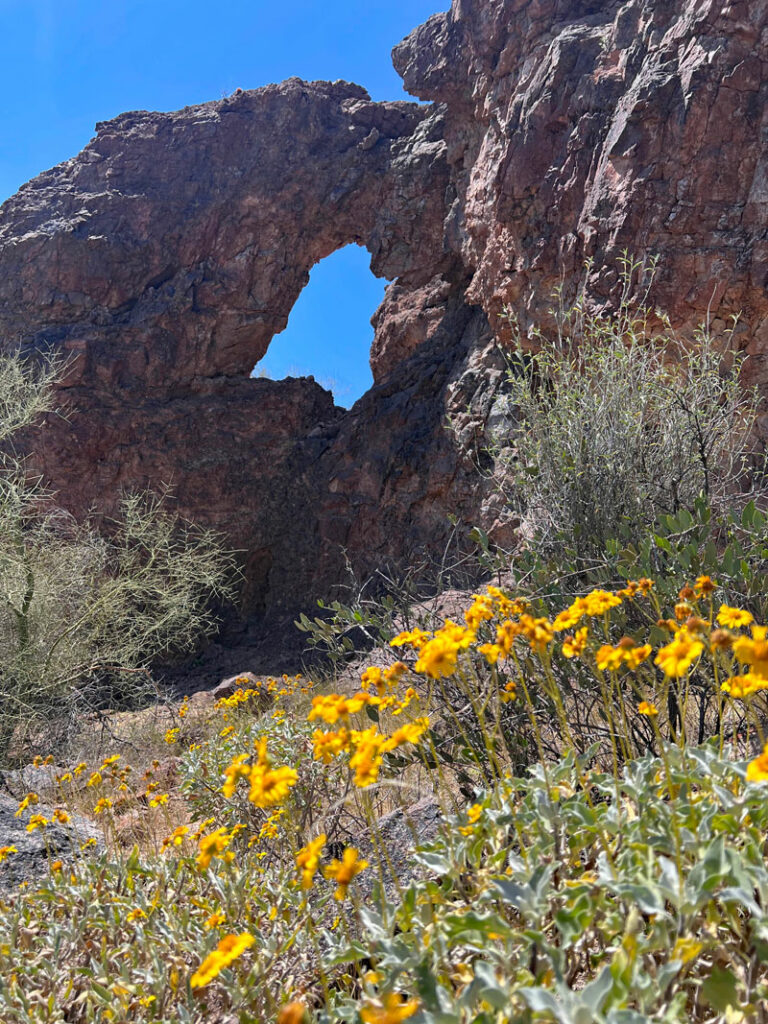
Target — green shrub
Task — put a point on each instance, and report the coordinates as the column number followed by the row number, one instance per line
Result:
column 83, row 612
column 619, row 421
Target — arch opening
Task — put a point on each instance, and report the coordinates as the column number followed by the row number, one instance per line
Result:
column 329, row 333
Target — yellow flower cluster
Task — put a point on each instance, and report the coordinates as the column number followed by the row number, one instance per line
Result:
column 596, row 603
column 308, row 860
column 757, row 770
column 626, row 652
column 343, row 871
column 366, row 747
column 228, row 950
column 214, row 844
column 268, row 786
column 676, row 658
column 391, row 1010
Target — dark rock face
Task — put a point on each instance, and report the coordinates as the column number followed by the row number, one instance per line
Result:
column 579, row 128
column 166, row 256
column 34, row 850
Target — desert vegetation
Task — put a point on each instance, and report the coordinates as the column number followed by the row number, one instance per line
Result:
column 576, row 759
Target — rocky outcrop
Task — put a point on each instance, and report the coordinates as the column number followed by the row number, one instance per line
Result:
column 576, row 129
column 165, row 257
column 31, row 853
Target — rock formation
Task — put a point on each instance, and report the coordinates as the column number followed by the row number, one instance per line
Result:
column 166, row 255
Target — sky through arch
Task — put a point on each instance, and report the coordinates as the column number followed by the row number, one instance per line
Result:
column 329, row 333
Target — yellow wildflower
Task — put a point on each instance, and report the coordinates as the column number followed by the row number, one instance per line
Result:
column 28, row 801
column 395, row 673
column 214, row 845
column 308, row 860
column 600, row 601
column 491, row 652
column 571, row 616
column 734, row 618
column 334, row 706
column 176, row 838
column 410, row 733
column 344, row 870
column 509, row 692
column 137, row 914
column 37, row 821
column 411, row 638
column 269, row 786
column 438, row 657
column 239, row 769
column 373, row 677
column 742, row 687
column 609, row 658
column 538, row 632
column 214, row 920
column 645, row 708
column 480, row 611
column 753, row 651
column 626, row 652
column 366, row 760
column 473, row 815
column 704, row 586
column 574, row 646
column 227, row 951
column 757, row 770
column 326, row 745
column 5, row 851
column 677, row 657
column 292, row 1013
column 391, row 1010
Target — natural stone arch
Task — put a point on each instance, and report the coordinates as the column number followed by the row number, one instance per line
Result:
column 166, row 256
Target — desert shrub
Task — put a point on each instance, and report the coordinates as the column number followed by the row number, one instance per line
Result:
column 619, row 421
column 588, row 889
column 574, row 896
column 85, row 611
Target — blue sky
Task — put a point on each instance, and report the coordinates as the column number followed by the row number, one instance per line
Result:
column 65, row 64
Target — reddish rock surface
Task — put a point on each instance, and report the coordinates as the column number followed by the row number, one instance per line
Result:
column 167, row 254
column 580, row 128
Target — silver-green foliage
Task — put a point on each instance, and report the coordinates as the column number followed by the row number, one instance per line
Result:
column 620, row 420
column 81, row 609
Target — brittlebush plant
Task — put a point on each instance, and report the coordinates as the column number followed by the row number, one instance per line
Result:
column 614, row 883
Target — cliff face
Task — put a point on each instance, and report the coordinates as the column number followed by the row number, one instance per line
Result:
column 165, row 256
column 576, row 129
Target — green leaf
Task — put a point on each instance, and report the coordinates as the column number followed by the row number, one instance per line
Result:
column 720, row 990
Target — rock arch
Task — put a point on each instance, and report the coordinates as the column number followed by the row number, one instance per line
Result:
column 164, row 258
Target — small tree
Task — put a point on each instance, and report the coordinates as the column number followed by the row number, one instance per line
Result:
column 84, row 610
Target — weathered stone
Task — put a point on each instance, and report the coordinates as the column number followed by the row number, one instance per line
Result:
column 580, row 128
column 34, row 850
column 166, row 256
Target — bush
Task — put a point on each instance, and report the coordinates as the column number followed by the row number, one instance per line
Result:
column 584, row 890
column 83, row 613
column 621, row 421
